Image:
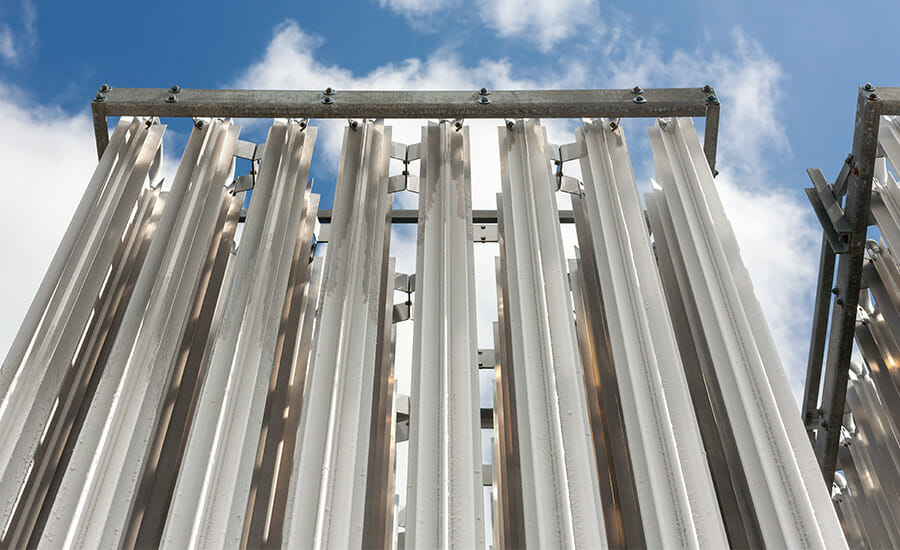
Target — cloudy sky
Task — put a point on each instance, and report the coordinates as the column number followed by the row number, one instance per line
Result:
column 786, row 73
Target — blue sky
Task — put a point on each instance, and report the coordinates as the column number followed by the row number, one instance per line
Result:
column 786, row 72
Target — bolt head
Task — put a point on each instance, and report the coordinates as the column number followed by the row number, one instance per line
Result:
column 868, row 87
column 198, row 124
column 354, row 124
column 707, row 89
column 172, row 99
column 613, row 126
column 458, row 124
column 711, row 99
column 873, row 96
column 99, row 98
column 327, row 100
column 484, row 100
column 175, row 89
column 329, row 91
column 303, row 123
column 637, row 90
column 510, row 124
column 640, row 99
column 484, row 91
column 104, row 88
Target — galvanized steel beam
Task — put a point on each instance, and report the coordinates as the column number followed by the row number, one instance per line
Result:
column 732, row 490
column 326, row 505
column 870, row 107
column 444, row 500
column 213, row 488
column 676, row 494
column 483, row 103
column 97, row 493
column 777, row 459
column 561, row 497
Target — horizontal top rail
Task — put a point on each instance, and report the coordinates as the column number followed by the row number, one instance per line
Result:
column 403, row 104
column 462, row 104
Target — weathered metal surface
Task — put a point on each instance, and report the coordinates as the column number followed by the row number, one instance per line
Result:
column 444, row 502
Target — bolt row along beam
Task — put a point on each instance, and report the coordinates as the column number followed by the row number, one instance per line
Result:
column 484, row 103
column 444, row 500
column 336, row 454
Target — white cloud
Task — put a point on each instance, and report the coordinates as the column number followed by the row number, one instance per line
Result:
column 543, row 22
column 50, row 157
column 539, row 22
column 415, row 7
column 773, row 224
column 19, row 38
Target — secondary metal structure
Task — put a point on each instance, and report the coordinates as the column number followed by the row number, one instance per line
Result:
column 855, row 427
column 195, row 373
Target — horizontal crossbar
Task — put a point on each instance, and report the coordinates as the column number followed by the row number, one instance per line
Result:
column 176, row 102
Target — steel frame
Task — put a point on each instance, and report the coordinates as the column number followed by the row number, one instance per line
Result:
column 832, row 348
column 484, row 103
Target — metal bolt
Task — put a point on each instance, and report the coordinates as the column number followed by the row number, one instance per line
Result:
column 637, row 90
column 327, row 100
column 99, row 98
column 303, row 124
column 640, row 99
column 172, row 99
column 873, row 96
column 484, row 100
column 458, row 125
column 613, row 126
column 510, row 125
column 329, row 91
column 199, row 124
column 868, row 87
column 104, row 88
column 712, row 99
column 834, row 291
column 839, row 302
column 484, row 91
column 707, row 89
column 175, row 89
column 354, row 124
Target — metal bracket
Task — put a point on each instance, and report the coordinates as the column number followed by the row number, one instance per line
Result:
column 244, row 183
column 405, row 154
column 486, row 358
column 322, row 232
column 249, row 150
column 402, row 405
column 827, row 207
column 402, row 312
column 561, row 154
column 404, row 283
column 485, row 233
